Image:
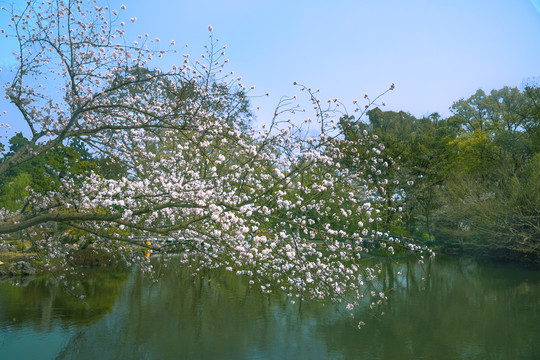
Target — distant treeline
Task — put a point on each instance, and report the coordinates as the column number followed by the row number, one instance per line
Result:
column 474, row 177
column 471, row 181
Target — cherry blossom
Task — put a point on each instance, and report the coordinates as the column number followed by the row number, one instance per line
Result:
column 274, row 204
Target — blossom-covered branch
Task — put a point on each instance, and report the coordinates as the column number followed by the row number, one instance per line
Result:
column 290, row 209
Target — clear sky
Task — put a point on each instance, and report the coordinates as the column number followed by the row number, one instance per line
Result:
column 436, row 51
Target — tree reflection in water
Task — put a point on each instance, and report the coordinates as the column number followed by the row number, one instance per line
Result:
column 77, row 299
column 447, row 309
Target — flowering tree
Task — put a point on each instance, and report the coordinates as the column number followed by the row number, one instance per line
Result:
column 274, row 204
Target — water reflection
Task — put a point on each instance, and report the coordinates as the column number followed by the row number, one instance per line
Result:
column 447, row 309
column 213, row 316
column 39, row 315
column 467, row 311
column 44, row 300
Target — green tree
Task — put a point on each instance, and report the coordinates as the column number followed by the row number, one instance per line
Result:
column 41, row 173
column 420, row 147
column 491, row 194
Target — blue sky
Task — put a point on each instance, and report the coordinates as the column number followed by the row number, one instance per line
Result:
column 436, row 51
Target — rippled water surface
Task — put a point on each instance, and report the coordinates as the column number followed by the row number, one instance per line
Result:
column 448, row 309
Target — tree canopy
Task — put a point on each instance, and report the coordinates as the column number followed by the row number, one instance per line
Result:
column 474, row 175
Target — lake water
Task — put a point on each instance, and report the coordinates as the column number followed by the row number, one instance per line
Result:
column 448, row 309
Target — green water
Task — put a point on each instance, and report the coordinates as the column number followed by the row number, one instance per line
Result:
column 449, row 309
